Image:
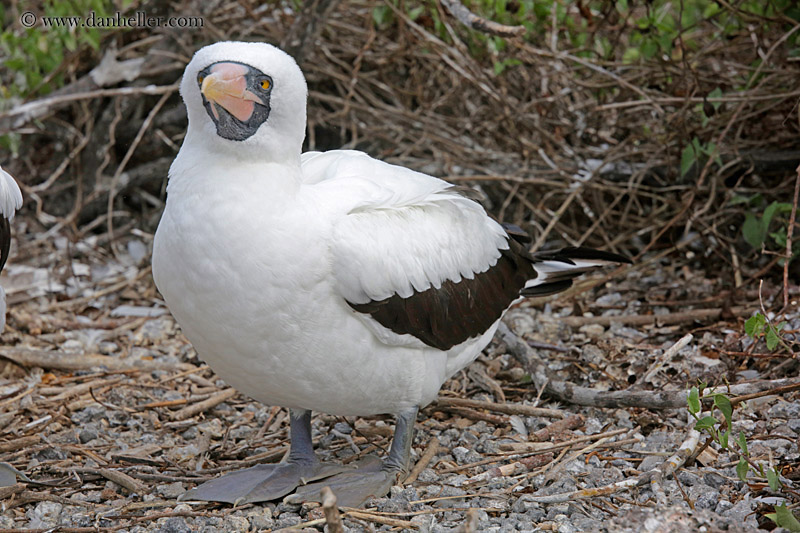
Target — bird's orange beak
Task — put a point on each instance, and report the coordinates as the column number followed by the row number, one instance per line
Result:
column 226, row 86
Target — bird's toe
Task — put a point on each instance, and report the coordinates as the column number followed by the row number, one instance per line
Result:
column 261, row 482
column 351, row 488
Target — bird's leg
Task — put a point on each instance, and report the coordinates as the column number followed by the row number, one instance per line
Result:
column 271, row 481
column 400, row 452
column 373, row 477
column 301, row 450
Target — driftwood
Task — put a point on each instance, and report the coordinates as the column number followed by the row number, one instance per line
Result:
column 670, row 399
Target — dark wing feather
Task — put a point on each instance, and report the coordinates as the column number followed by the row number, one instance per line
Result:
column 455, row 312
column 5, row 240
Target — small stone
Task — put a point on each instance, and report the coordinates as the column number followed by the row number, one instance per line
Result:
column 460, row 454
column 592, row 330
column 707, row 499
column 175, row 524
column 712, row 479
column 723, row 506
column 237, row 524
column 171, row 490
column 45, row 515
column 428, row 476
column 261, row 519
column 87, row 433
column 687, row 479
column 650, row 462
column 784, row 409
column 287, row 520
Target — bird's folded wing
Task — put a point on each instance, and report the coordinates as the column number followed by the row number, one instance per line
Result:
column 10, row 201
column 418, row 260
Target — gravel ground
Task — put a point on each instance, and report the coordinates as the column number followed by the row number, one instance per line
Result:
column 110, row 416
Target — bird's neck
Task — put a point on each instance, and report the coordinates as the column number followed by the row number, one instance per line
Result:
column 197, row 170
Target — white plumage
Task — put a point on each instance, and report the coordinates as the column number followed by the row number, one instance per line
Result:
column 264, row 255
column 10, row 201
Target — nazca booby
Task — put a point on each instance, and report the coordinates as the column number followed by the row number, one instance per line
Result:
column 10, row 201
column 325, row 281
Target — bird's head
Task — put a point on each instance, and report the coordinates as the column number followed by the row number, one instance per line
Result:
column 246, row 97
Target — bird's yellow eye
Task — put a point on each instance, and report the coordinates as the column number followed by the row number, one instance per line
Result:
column 265, row 84
column 200, row 79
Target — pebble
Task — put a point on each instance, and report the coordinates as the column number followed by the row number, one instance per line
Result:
column 175, row 524
column 45, row 515
column 171, row 490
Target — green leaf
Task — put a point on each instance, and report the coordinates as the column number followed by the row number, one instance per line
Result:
column 742, row 442
column 752, row 231
column 706, row 422
column 742, row 468
column 688, row 158
column 723, row 403
column 631, row 55
column 415, row 12
column 784, row 518
column 716, row 93
column 739, row 199
column 694, row 400
column 773, row 337
column 649, row 49
column 769, row 212
column 772, row 479
column 754, row 326
column 724, row 438
column 382, row 15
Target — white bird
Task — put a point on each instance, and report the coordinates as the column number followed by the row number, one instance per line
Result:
column 325, row 281
column 10, row 201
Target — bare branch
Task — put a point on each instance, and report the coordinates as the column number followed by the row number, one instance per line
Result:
column 471, row 20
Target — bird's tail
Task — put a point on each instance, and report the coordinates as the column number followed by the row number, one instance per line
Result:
column 557, row 269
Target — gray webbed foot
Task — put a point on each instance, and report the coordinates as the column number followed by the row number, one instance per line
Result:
column 352, row 488
column 261, row 482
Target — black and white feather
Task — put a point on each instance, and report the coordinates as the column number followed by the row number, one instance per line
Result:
column 10, row 201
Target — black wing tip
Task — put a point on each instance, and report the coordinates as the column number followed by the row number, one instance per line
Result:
column 516, row 233
column 548, row 288
column 588, row 254
column 5, row 240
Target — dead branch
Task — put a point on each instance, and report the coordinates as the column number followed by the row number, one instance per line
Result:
column 430, row 452
column 671, row 399
column 205, row 405
column 307, row 27
column 29, row 357
column 332, row 517
column 471, row 20
column 662, row 320
column 507, row 408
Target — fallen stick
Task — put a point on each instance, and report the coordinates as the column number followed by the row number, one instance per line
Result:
column 565, row 424
column 120, row 478
column 332, row 517
column 654, row 476
column 385, row 520
column 427, row 457
column 567, row 392
column 642, row 320
column 30, row 357
column 506, row 408
column 472, row 414
column 199, row 407
column 19, row 443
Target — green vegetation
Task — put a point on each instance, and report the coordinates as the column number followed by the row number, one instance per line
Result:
column 35, row 55
column 758, row 326
column 720, row 432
